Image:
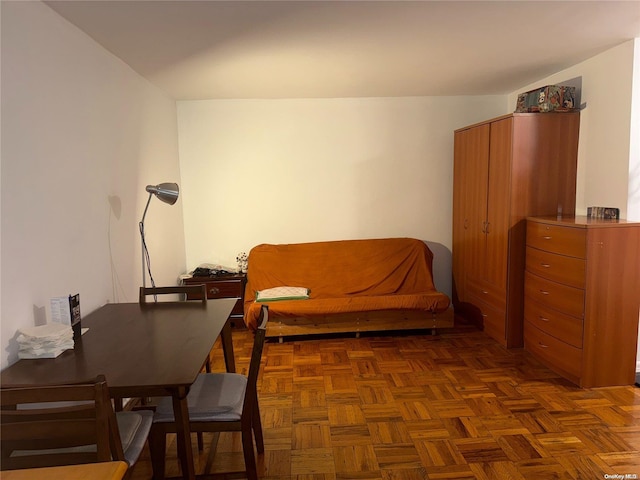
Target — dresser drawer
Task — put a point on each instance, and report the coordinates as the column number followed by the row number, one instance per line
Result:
column 557, row 239
column 553, row 352
column 568, row 300
column 561, row 326
column 486, row 294
column 493, row 319
column 559, row 268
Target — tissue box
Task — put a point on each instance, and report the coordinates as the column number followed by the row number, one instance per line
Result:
column 552, row 98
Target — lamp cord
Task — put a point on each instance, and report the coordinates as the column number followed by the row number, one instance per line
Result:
column 146, row 256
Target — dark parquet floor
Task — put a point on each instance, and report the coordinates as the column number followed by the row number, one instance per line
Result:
column 415, row 406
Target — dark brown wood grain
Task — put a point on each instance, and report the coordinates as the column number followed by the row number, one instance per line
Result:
column 152, row 349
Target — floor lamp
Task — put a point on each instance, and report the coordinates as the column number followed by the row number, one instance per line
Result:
column 168, row 193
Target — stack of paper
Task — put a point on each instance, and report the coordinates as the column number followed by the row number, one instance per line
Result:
column 44, row 341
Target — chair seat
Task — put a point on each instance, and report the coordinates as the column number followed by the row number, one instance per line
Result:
column 134, row 429
column 212, row 397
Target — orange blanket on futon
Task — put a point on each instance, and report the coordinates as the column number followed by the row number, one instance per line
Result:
column 344, row 276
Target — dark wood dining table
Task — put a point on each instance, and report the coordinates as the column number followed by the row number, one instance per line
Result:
column 144, row 350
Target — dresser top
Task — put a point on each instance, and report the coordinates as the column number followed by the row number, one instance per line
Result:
column 584, row 222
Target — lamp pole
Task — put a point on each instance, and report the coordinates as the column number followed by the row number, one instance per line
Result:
column 143, row 244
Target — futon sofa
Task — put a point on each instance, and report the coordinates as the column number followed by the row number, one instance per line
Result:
column 345, row 286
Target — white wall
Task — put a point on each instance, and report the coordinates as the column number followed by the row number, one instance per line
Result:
column 286, row 171
column 82, row 134
column 633, row 203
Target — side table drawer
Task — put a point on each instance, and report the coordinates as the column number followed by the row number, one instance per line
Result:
column 224, row 289
column 568, row 300
column 559, row 268
column 227, row 286
column 557, row 239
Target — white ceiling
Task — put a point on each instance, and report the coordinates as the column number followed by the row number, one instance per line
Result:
column 289, row 49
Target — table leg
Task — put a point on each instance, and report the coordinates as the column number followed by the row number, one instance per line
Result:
column 183, row 433
column 227, row 347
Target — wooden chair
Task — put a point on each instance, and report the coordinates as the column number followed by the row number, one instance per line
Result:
column 218, row 402
column 190, row 292
column 43, row 426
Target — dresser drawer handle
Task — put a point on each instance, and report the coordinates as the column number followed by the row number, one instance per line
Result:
column 544, row 319
column 483, row 315
column 546, row 237
column 544, row 292
column 545, row 265
column 484, row 292
column 214, row 291
column 543, row 345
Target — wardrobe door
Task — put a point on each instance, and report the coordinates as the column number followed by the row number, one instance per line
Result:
column 498, row 198
column 471, row 155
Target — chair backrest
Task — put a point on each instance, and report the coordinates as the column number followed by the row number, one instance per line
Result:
column 254, row 363
column 51, row 425
column 190, row 292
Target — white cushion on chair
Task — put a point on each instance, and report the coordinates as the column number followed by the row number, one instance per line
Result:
column 212, row 397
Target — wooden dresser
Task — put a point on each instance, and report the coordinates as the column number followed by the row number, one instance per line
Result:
column 582, row 298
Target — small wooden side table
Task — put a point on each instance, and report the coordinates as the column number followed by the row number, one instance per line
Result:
column 225, row 286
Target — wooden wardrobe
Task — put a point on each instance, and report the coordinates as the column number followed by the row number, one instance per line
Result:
column 506, row 169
